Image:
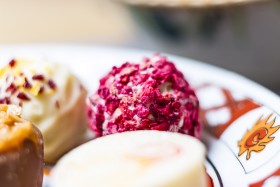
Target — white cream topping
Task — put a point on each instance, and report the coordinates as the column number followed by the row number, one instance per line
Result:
column 58, row 110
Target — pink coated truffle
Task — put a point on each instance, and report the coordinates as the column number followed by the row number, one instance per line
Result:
column 152, row 95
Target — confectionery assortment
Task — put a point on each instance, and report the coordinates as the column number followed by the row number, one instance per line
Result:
column 128, row 114
column 21, row 150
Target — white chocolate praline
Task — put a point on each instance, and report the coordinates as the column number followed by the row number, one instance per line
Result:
column 51, row 98
column 134, row 159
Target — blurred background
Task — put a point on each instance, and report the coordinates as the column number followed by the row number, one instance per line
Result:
column 244, row 38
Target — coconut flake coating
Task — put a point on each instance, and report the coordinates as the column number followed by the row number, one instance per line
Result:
column 152, row 95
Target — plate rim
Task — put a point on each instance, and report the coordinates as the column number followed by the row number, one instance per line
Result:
column 244, row 85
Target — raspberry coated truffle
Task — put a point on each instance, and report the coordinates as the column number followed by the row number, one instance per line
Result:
column 151, row 95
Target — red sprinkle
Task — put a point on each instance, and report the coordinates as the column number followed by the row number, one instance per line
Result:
column 12, row 88
column 5, row 100
column 51, row 84
column 22, row 96
column 57, row 104
column 38, row 77
column 41, row 89
column 12, row 63
column 27, row 84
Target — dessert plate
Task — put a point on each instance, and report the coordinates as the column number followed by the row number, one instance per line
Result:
column 240, row 117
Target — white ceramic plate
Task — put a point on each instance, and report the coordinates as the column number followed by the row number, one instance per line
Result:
column 240, row 116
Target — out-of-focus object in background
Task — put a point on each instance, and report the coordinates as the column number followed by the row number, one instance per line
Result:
column 242, row 38
column 63, row 20
column 186, row 3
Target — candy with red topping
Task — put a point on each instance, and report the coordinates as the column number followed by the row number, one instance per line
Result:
column 50, row 97
column 152, row 95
